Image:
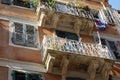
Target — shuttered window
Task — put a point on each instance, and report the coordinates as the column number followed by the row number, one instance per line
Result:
column 24, row 35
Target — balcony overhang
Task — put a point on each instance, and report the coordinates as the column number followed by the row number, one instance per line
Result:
column 62, row 56
column 72, row 22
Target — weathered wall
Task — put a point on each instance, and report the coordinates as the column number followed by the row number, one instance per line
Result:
column 87, row 38
column 45, row 31
column 13, row 11
column 3, row 73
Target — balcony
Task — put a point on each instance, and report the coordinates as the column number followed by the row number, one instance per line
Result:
column 75, row 47
column 65, row 17
column 61, row 56
column 69, row 8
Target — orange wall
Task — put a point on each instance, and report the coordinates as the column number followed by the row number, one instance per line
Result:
column 45, row 31
column 3, row 73
column 52, row 77
column 16, row 53
column 9, row 10
column 111, row 30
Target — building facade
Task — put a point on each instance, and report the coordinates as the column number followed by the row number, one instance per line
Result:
column 59, row 40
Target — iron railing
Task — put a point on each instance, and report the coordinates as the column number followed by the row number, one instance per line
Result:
column 63, row 8
column 75, row 47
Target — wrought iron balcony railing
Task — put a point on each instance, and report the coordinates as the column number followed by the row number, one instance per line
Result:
column 63, row 8
column 75, row 47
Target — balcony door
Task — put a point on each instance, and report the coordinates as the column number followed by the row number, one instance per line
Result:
column 112, row 46
column 67, row 35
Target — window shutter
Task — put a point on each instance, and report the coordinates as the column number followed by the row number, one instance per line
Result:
column 30, row 36
column 6, row 1
column 18, row 37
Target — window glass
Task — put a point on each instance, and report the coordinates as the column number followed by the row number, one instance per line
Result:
column 18, row 28
column 67, row 35
column 23, row 3
column 19, row 76
column 111, row 46
column 26, row 76
column 33, row 77
column 73, row 78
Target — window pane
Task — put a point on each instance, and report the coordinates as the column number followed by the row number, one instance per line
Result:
column 18, row 39
column 34, row 77
column 30, row 29
column 30, row 40
column 19, row 76
column 103, row 42
column 18, row 27
column 67, row 35
column 114, row 49
column 23, row 3
column 112, row 45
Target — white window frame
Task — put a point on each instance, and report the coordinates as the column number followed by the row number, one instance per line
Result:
column 11, row 30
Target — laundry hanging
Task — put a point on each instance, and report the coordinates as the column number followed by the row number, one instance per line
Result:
column 101, row 25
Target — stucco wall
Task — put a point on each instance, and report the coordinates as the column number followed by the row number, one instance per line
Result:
column 3, row 73
column 52, row 77
column 15, row 11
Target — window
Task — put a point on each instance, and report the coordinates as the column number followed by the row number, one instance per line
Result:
column 26, row 76
column 24, row 35
column 6, row 1
column 111, row 46
column 23, row 3
column 67, row 35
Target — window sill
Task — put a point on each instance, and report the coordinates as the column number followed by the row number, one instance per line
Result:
column 25, row 47
column 23, row 7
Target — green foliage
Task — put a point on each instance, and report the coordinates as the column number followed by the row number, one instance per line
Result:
column 26, row 1
column 35, row 3
column 51, row 3
column 76, row 5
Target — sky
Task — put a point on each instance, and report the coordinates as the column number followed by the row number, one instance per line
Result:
column 115, row 4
